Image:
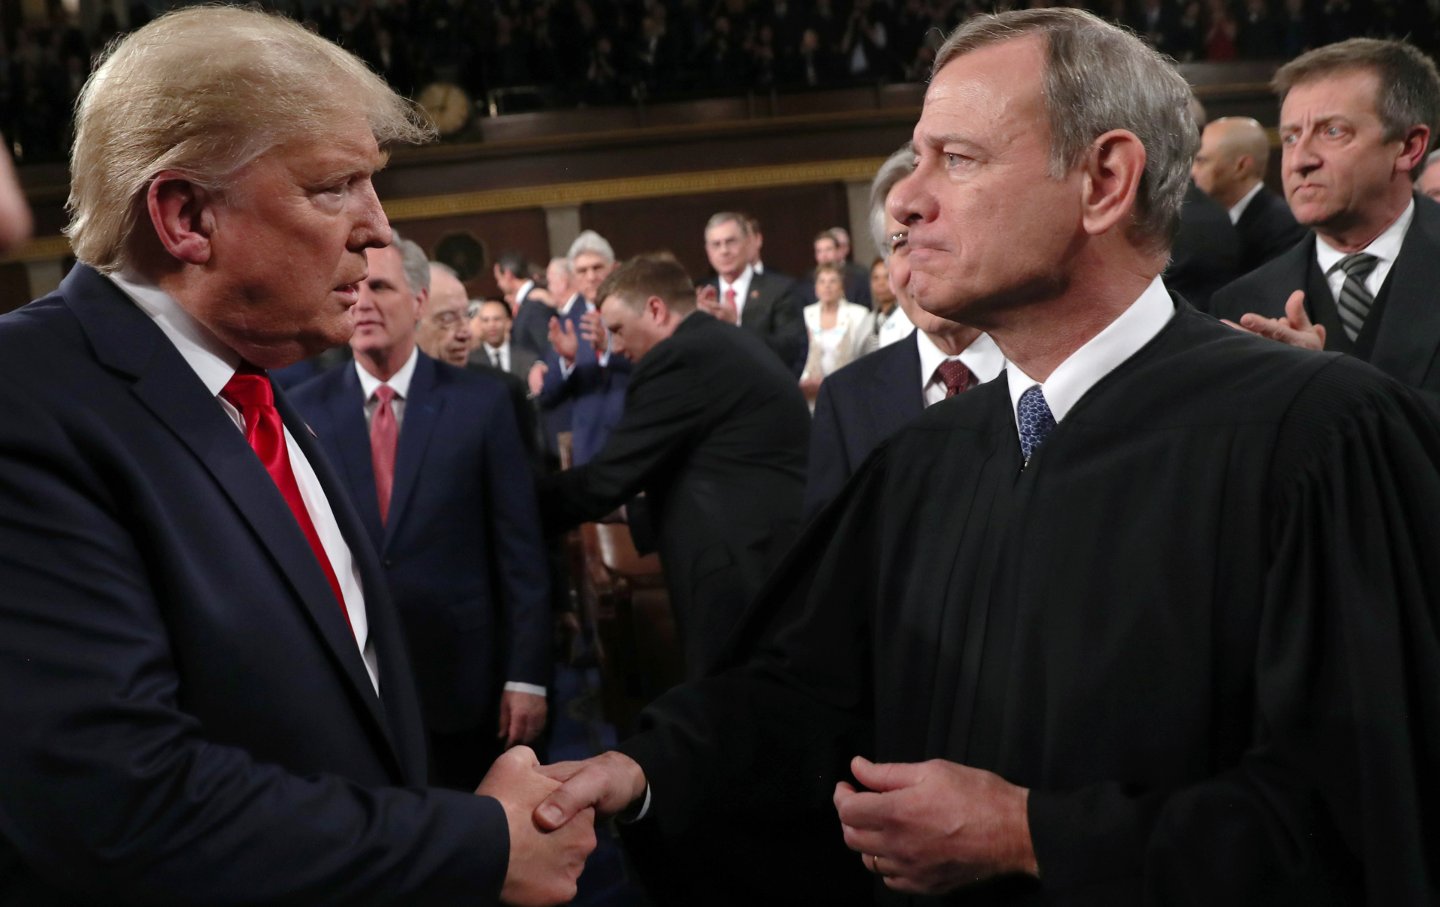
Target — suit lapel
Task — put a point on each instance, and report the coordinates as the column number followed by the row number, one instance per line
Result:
column 1409, row 328
column 422, row 411
column 126, row 340
column 347, row 437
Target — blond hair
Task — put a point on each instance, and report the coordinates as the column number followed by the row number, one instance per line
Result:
column 203, row 91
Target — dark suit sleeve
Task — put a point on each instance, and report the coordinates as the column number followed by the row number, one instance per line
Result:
column 110, row 790
column 518, row 550
column 787, row 335
column 664, row 410
column 829, row 465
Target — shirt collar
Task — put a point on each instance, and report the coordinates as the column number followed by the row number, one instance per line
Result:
column 741, row 284
column 213, row 361
column 1238, row 208
column 1083, row 369
column 569, row 304
column 982, row 357
column 524, row 291
column 1385, row 247
column 399, row 382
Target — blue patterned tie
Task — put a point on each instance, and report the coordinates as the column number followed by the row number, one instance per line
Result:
column 1036, row 421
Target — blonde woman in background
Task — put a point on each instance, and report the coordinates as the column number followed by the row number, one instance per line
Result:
column 840, row 331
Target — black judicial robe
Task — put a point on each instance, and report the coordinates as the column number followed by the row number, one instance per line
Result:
column 1201, row 626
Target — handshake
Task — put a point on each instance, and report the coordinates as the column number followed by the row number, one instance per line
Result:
column 551, row 811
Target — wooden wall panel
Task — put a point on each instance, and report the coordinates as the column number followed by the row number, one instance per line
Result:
column 492, row 234
column 789, row 216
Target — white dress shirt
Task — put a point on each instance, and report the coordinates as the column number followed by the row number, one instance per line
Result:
column 897, row 327
column 982, row 357
column 1385, row 247
column 1082, row 369
column 1239, row 207
column 215, row 364
column 741, row 286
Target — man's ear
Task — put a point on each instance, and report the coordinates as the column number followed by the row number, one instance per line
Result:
column 1113, row 168
column 1414, row 145
column 183, row 216
column 420, row 299
column 657, row 309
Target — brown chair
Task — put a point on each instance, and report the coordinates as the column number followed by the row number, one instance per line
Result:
column 623, row 602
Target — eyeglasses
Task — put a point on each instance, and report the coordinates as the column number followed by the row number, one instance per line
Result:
column 898, row 239
column 448, row 321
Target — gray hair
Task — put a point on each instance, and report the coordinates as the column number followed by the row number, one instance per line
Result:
column 1099, row 77
column 415, row 263
column 204, row 91
column 592, row 242
column 562, row 262
column 1409, row 93
column 896, row 167
column 728, row 217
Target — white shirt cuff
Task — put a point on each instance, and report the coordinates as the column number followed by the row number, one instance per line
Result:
column 515, row 686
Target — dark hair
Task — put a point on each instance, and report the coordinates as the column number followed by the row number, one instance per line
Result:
column 1409, row 92
column 513, row 262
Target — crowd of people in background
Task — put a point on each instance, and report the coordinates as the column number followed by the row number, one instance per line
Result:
column 559, row 53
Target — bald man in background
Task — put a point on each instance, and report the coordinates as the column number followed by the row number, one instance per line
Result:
column 1230, row 168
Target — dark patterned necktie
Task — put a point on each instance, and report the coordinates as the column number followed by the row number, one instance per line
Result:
column 1035, row 421
column 1355, row 300
column 956, row 376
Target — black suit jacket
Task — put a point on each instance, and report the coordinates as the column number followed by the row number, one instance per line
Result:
column 772, row 313
column 714, row 432
column 860, row 406
column 1206, row 252
column 189, row 717
column 1402, row 334
column 462, row 548
column 1267, row 229
column 531, row 327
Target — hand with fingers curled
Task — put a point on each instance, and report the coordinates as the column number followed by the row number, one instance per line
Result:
column 522, row 716
column 609, row 784
column 545, row 864
column 536, row 378
column 707, row 298
column 1294, row 329
column 928, row 828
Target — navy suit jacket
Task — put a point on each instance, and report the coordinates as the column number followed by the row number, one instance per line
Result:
column 188, row 717
column 531, row 327
column 595, row 393
column 1402, row 335
column 859, row 407
column 462, row 549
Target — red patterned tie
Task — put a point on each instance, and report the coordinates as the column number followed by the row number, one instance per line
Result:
column 384, row 434
column 956, row 376
column 731, row 305
column 249, row 391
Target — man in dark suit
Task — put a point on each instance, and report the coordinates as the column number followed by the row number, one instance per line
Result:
column 437, row 471
column 496, row 347
column 764, row 304
column 832, row 247
column 1014, row 675
column 1206, row 253
column 714, row 432
column 1230, row 168
column 872, row 398
column 532, row 310
column 207, row 690
column 1365, row 283
column 580, row 371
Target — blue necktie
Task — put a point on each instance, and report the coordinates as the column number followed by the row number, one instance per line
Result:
column 1035, row 419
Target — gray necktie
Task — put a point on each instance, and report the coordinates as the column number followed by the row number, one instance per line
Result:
column 1355, row 300
column 494, row 358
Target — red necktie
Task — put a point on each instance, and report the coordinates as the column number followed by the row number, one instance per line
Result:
column 730, row 303
column 249, row 391
column 384, row 434
column 956, row 376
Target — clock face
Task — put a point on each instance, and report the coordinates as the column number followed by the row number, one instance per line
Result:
column 462, row 252
column 447, row 105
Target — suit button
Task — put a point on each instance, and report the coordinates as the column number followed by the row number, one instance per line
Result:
column 389, row 563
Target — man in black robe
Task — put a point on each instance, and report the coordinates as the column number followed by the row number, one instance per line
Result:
column 1149, row 620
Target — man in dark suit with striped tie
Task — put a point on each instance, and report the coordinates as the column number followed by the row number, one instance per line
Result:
column 1355, row 121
